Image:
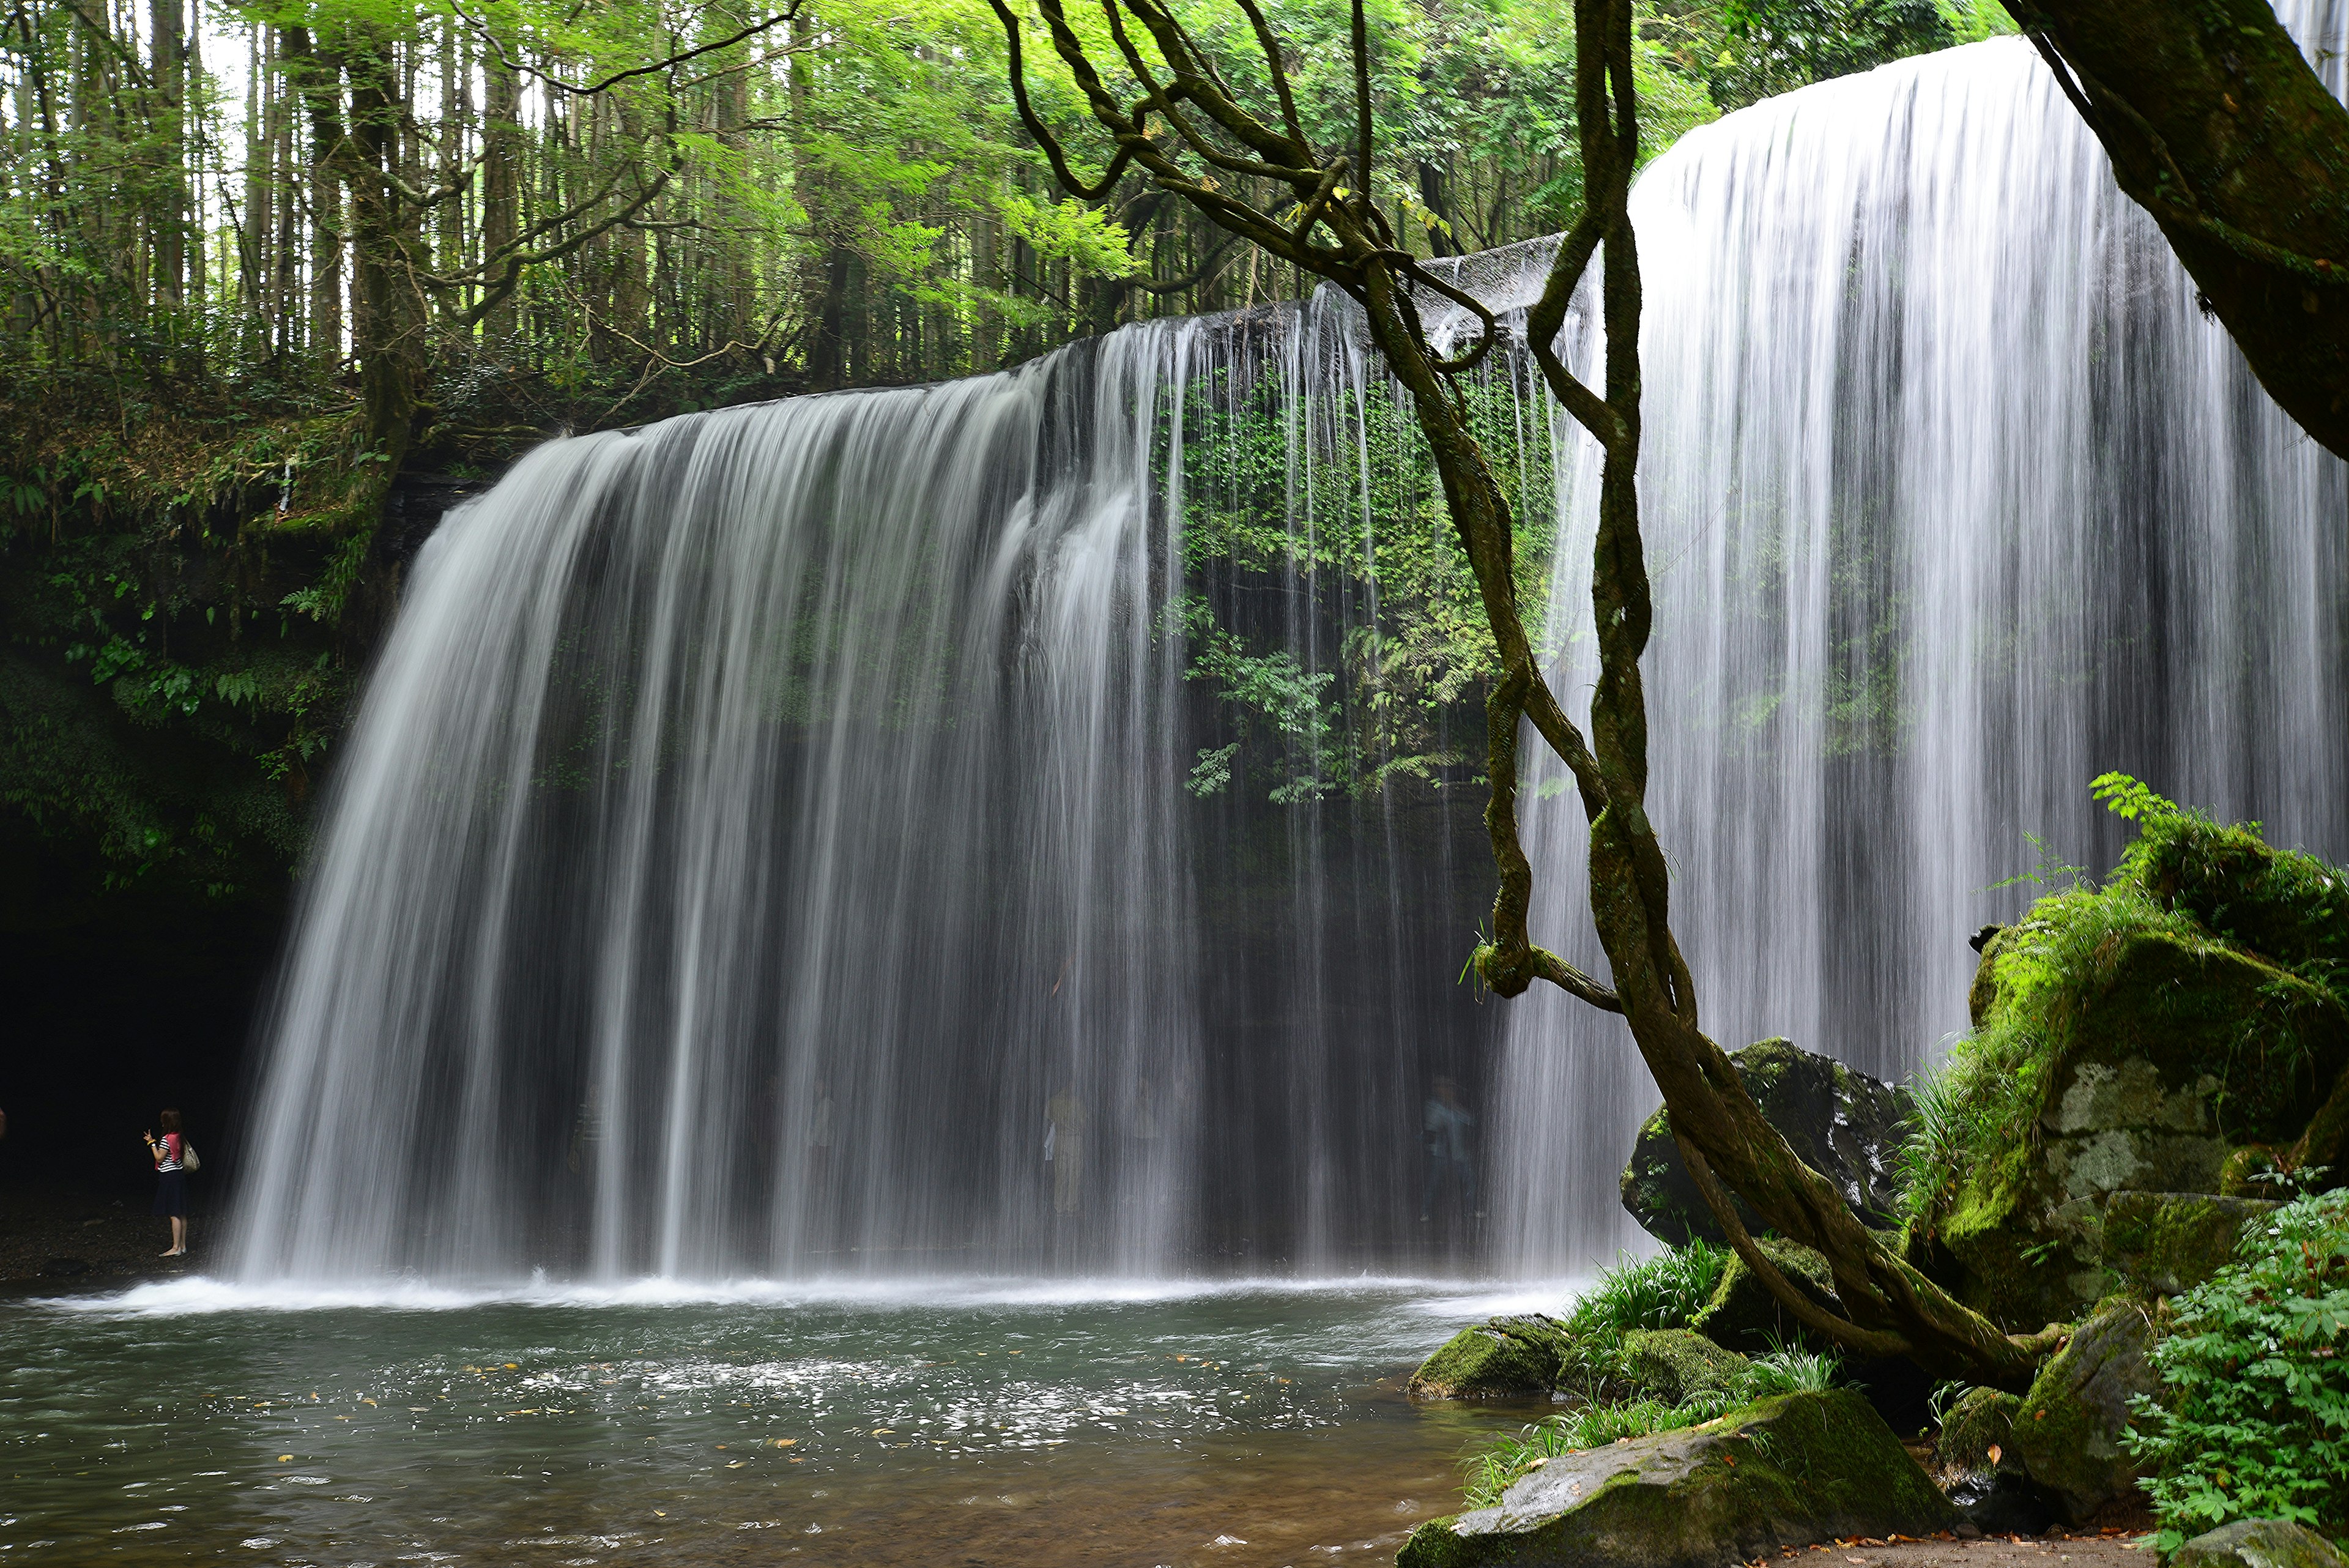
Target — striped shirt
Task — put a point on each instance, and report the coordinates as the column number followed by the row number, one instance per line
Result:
column 168, row 1153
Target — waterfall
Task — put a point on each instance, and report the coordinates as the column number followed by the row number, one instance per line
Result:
column 1952, row 500
column 721, row 784
column 763, row 830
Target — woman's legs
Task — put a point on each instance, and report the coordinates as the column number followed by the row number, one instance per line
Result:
column 178, row 1233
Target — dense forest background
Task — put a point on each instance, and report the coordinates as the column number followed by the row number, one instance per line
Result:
column 278, row 280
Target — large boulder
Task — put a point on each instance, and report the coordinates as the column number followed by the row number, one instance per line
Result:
column 1788, row 1471
column 2259, row 1544
column 1843, row 1123
column 1670, row 1363
column 2162, row 1243
column 2169, row 1051
column 1505, row 1357
column 2068, row 1427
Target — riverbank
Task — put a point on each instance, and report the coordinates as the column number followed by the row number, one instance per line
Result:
column 70, row 1235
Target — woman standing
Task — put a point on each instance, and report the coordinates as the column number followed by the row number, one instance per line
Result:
column 172, row 1159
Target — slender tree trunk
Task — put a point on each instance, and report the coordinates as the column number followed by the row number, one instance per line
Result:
column 390, row 330
column 502, row 152
column 169, row 69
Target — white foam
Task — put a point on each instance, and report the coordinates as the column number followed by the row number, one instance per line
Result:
column 1436, row 1298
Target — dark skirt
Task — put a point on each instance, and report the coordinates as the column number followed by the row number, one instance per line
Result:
column 171, row 1193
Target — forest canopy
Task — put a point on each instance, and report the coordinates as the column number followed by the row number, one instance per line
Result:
column 261, row 259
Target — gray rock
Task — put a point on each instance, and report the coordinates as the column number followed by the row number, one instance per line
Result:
column 2259, row 1544
column 2069, row 1427
column 1788, row 1471
column 1844, row 1124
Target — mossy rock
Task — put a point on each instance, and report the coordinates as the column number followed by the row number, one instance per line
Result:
column 1743, row 1316
column 2069, row 1427
column 1504, row 1357
column 2161, row 1243
column 2249, row 1172
column 2259, row 1544
column 1788, row 1471
column 2176, row 1050
column 1982, row 1419
column 2290, row 909
column 1670, row 1363
column 1841, row 1121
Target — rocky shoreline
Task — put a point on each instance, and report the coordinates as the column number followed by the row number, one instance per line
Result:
column 2137, row 1147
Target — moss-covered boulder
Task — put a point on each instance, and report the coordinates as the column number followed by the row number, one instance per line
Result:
column 1501, row 1358
column 2068, row 1427
column 2124, row 1049
column 1843, row 1123
column 1978, row 1435
column 1672, row 1364
column 1788, row 1471
column 2259, row 1544
column 1745, row 1317
column 2160, row 1243
column 1982, row 1474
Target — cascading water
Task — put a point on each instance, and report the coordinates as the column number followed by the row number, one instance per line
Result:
column 721, row 785
column 1953, row 501
column 762, row 829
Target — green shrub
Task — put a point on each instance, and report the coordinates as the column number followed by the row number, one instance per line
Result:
column 2253, row 1420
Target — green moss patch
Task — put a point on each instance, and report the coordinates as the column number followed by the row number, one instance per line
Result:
column 1503, row 1357
column 1673, row 1364
column 2128, row 1037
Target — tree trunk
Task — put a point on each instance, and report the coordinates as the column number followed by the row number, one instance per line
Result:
column 316, row 76
column 2218, row 127
column 501, row 182
column 389, row 336
column 171, row 213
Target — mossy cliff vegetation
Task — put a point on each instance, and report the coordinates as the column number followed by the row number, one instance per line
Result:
column 2180, row 1029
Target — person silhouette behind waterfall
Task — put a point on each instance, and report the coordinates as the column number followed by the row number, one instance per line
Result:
column 1445, row 1124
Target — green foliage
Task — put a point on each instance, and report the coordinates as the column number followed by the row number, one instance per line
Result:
column 2130, row 800
column 1665, row 1290
column 161, row 699
column 1785, row 44
column 1339, row 548
column 2253, row 1417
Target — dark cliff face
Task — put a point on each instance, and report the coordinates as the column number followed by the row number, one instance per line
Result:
column 167, row 722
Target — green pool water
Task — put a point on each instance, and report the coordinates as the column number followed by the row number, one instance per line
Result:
column 938, row 1424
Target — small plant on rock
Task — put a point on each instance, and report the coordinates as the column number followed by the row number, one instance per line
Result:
column 2253, row 1419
